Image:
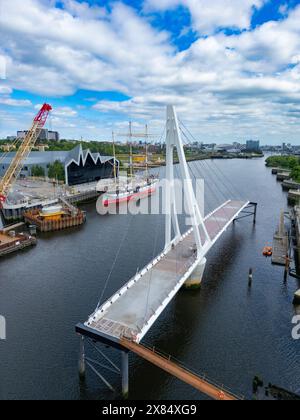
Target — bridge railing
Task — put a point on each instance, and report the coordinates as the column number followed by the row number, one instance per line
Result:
column 202, row 376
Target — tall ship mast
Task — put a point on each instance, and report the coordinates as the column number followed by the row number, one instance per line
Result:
column 136, row 188
column 115, row 159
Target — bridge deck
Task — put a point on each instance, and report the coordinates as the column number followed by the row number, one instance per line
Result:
column 201, row 383
column 134, row 308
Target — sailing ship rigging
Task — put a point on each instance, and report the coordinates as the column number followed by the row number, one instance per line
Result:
column 136, row 187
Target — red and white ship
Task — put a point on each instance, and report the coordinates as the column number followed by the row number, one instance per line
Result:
column 136, row 189
column 136, row 193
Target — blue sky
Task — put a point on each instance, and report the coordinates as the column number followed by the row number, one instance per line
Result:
column 232, row 67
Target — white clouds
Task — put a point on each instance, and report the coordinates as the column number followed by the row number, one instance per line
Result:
column 270, row 47
column 5, row 90
column 65, row 111
column 6, row 99
column 2, row 67
column 88, row 52
column 14, row 102
column 84, row 10
column 208, row 16
column 222, row 83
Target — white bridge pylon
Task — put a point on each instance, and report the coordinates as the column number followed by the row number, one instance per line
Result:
column 174, row 141
column 133, row 309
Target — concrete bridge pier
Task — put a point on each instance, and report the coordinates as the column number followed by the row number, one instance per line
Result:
column 194, row 282
column 125, row 374
column 81, row 364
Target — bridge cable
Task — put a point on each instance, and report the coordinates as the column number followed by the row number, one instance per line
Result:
column 222, row 194
column 223, row 175
column 199, row 171
column 115, row 262
column 211, row 208
column 198, row 165
column 221, row 172
column 220, row 176
column 154, row 249
column 157, row 230
column 118, row 251
column 208, row 198
column 213, row 204
column 210, row 169
column 154, row 246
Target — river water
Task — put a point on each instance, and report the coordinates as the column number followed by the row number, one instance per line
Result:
column 225, row 330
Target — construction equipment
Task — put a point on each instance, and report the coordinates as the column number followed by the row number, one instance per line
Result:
column 27, row 145
column 72, row 208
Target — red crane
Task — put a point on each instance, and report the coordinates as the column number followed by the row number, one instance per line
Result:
column 27, row 145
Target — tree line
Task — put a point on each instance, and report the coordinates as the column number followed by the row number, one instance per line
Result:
column 291, row 163
column 56, row 170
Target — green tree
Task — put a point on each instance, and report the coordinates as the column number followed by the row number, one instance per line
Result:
column 295, row 174
column 285, row 162
column 56, row 170
column 37, row 171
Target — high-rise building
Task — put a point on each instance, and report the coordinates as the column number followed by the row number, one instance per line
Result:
column 253, row 145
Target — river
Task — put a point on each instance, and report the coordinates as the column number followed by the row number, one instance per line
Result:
column 225, row 330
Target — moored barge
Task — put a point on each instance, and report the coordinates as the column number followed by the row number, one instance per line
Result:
column 55, row 218
column 12, row 242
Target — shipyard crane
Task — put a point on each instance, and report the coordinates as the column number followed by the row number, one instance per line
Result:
column 24, row 150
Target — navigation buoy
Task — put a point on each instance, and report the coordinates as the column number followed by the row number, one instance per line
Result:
column 268, row 251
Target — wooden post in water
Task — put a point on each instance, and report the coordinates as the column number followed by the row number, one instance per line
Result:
column 250, row 277
column 255, row 213
column 287, row 267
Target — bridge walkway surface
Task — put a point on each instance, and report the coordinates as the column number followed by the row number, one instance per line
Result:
column 135, row 307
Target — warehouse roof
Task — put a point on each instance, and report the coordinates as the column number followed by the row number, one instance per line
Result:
column 66, row 157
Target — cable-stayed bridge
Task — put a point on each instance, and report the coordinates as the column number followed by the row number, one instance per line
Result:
column 123, row 320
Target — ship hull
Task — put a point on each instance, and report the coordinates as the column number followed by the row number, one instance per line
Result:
column 125, row 198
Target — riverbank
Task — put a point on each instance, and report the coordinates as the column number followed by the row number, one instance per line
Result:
column 285, row 164
column 287, row 252
column 202, row 156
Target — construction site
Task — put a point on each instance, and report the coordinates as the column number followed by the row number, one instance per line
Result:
column 55, row 218
column 32, row 194
column 48, row 205
column 45, row 205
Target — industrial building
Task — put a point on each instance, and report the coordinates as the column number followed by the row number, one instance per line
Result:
column 44, row 135
column 81, row 166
